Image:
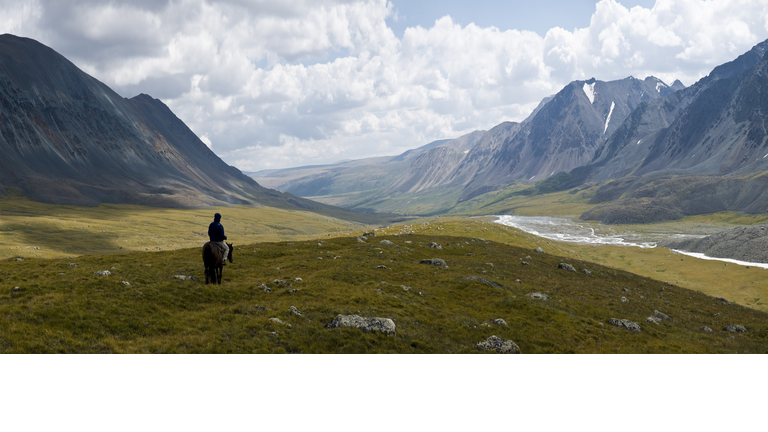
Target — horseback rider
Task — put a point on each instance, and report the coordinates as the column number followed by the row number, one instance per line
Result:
column 216, row 234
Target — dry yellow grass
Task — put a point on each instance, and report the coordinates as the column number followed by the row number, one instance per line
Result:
column 60, row 231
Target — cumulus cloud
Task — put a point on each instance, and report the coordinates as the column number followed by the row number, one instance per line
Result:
column 272, row 84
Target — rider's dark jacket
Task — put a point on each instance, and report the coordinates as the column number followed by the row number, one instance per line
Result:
column 216, row 231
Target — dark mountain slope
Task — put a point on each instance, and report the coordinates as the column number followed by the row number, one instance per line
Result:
column 67, row 138
column 714, row 126
column 566, row 131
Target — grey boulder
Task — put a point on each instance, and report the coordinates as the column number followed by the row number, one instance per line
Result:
column 502, row 346
column 625, row 324
column 381, row 325
column 566, row 267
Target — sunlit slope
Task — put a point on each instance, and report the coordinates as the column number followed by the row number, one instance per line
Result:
column 32, row 229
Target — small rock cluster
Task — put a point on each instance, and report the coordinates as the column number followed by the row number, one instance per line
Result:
column 626, row 324
column 538, row 296
column 381, row 325
column 435, row 262
column 502, row 346
column 566, row 267
column 735, row 329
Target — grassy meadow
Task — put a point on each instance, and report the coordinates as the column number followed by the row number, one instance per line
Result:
column 51, row 300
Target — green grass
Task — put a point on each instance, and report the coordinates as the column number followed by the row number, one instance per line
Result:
column 62, row 308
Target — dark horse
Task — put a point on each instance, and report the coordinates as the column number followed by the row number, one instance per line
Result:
column 212, row 261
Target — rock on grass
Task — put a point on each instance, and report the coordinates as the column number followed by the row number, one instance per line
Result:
column 735, row 329
column 381, row 325
column 566, row 267
column 435, row 262
column 625, row 324
column 483, row 280
column 502, row 346
column 538, row 296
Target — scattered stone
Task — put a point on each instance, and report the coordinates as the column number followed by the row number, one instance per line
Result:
column 539, row 250
column 518, row 281
column 320, row 258
column 538, row 296
column 405, row 287
column 72, row 265
column 279, row 321
column 717, row 314
column 625, row 289
column 725, row 302
column 735, row 329
column 382, row 267
column 102, row 273
column 527, row 257
column 654, row 320
column 369, row 234
column 485, row 325
column 294, row 310
column 360, row 240
column 490, row 264
column 624, row 300
column 566, row 267
column 383, row 325
column 502, row 346
column 435, row 245
column 587, row 272
column 499, row 321
column 582, row 298
column 483, row 280
column 19, row 259
column 126, row 283
column 524, row 263
column 298, row 280
column 319, row 244
column 281, row 282
column 187, row 278
column 624, row 323
column 386, row 242
column 15, row 289
column 434, row 261
column 706, row 329
column 267, row 289
column 663, row 316
column 292, row 290
column 261, row 308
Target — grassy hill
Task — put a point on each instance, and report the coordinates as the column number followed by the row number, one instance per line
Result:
column 63, row 308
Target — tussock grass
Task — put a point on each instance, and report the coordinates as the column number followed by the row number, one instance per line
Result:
column 61, row 308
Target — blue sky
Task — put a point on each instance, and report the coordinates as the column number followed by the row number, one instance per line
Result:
column 538, row 16
column 270, row 84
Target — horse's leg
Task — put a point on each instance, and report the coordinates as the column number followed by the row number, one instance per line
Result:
column 206, row 275
column 218, row 273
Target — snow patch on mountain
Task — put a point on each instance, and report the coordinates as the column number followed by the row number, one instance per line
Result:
column 608, row 119
column 589, row 90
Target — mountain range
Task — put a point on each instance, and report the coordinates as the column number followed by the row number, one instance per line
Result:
column 650, row 151
column 656, row 151
column 67, row 138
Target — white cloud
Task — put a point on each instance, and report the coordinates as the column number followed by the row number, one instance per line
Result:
column 277, row 84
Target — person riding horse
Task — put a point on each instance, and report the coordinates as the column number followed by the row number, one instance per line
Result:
column 216, row 235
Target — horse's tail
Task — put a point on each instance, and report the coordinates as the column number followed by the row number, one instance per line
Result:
column 209, row 259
